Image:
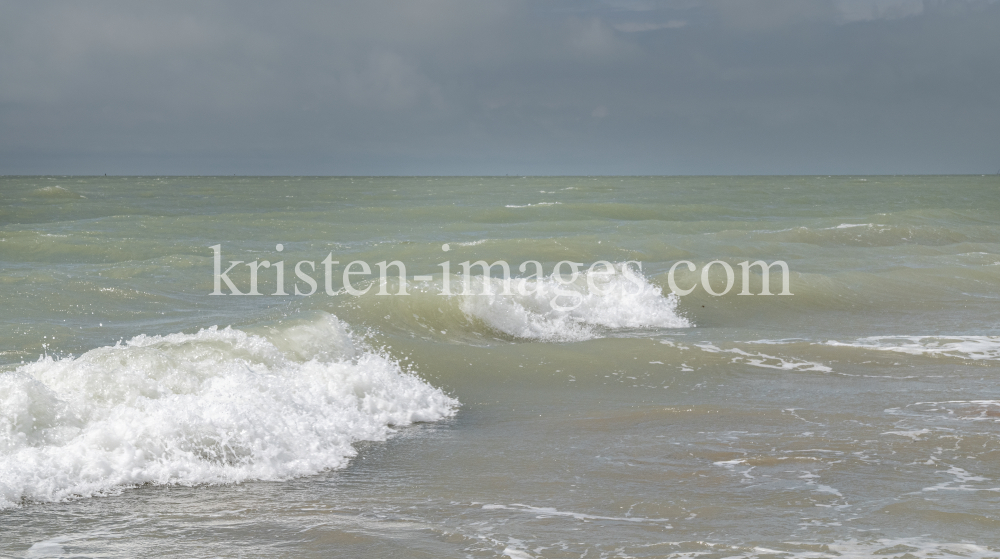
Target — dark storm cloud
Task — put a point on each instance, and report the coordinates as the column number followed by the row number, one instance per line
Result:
column 461, row 87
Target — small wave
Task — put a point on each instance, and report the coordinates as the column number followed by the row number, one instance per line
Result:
column 867, row 235
column 533, row 205
column 620, row 301
column 961, row 410
column 766, row 361
column 218, row 406
column 963, row 347
column 548, row 512
column 853, row 225
column 918, row 548
column 56, row 192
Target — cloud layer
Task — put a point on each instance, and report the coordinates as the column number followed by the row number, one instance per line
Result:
column 455, row 87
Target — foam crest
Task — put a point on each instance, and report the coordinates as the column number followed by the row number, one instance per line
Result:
column 218, row 406
column 546, row 309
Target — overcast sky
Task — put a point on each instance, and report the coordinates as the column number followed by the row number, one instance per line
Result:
column 494, row 87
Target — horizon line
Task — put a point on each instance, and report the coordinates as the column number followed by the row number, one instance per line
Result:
column 510, row 176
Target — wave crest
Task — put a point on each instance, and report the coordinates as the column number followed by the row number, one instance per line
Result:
column 218, row 406
column 545, row 309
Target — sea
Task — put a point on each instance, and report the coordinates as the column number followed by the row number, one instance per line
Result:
column 637, row 388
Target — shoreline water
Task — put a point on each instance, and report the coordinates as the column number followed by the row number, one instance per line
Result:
column 857, row 417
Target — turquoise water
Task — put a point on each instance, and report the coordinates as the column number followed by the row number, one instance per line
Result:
column 140, row 415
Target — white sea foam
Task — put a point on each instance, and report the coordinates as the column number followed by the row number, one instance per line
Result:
column 622, row 300
column 766, row 361
column 918, row 548
column 534, row 205
column 963, row 481
column 218, row 406
column 57, row 192
column 964, row 347
column 853, row 225
column 545, row 512
column 961, row 410
column 914, row 434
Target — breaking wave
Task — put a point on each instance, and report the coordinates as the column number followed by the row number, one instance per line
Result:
column 219, row 406
column 546, row 309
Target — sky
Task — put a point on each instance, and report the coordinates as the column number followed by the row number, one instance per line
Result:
column 476, row 87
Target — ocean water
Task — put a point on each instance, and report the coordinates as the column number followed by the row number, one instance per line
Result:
column 142, row 416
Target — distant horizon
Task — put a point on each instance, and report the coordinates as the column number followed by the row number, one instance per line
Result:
column 512, row 175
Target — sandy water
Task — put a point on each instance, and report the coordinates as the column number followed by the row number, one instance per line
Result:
column 141, row 416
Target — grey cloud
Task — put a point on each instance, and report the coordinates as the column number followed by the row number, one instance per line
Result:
column 387, row 81
column 455, row 87
column 640, row 26
column 767, row 15
column 868, row 10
